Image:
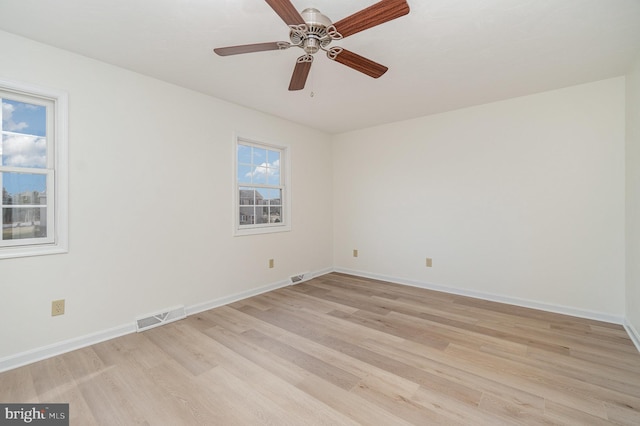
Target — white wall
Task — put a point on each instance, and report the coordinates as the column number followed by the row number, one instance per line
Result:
column 150, row 213
column 633, row 198
column 523, row 199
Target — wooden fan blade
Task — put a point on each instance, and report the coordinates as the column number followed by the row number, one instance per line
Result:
column 379, row 13
column 360, row 63
column 300, row 72
column 249, row 48
column 286, row 11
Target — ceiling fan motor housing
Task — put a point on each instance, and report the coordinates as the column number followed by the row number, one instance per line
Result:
column 313, row 35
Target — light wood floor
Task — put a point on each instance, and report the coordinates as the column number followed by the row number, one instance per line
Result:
column 345, row 350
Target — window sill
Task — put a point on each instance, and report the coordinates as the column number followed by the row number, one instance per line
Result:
column 43, row 250
column 261, row 230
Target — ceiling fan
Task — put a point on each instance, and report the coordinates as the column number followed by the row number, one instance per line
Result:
column 312, row 31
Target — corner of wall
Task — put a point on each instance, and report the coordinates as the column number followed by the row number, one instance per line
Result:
column 633, row 333
column 632, row 202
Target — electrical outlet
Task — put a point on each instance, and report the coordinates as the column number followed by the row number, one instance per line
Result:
column 355, row 253
column 429, row 262
column 271, row 263
column 57, row 307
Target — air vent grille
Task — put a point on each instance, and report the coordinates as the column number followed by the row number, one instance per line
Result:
column 295, row 279
column 157, row 319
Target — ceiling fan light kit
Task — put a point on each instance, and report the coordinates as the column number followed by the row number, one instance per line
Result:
column 312, row 32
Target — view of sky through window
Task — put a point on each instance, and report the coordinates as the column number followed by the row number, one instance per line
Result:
column 23, row 144
column 259, row 166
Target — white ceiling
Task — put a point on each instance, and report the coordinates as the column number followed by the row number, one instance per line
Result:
column 443, row 55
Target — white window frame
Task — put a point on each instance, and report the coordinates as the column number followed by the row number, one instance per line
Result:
column 285, row 184
column 56, row 171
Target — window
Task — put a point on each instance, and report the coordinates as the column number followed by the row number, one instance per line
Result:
column 261, row 190
column 32, row 171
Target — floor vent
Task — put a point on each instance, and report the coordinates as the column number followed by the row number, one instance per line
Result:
column 160, row 318
column 299, row 278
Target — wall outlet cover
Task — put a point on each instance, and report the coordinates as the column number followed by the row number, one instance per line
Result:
column 57, row 307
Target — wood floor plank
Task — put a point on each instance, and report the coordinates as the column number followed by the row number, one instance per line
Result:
column 185, row 345
column 533, row 380
column 263, row 410
column 349, row 403
column 612, row 378
column 287, row 371
column 109, row 402
column 562, row 414
column 394, row 394
column 199, row 403
column 623, row 414
column 299, row 406
column 135, row 347
column 441, row 364
column 17, row 386
column 150, row 393
column 453, row 409
column 285, row 391
column 514, row 414
column 51, row 378
column 307, row 362
column 566, row 339
column 339, row 350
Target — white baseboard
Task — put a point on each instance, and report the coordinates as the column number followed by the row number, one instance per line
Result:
column 559, row 309
column 39, row 354
column 633, row 333
column 211, row 304
column 205, row 306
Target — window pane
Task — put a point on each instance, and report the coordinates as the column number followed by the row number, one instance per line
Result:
column 244, row 174
column 259, row 156
column 244, row 154
column 260, row 174
column 273, row 174
column 23, row 151
column 247, row 196
column 274, row 158
column 273, row 177
column 247, row 215
column 259, row 197
column 20, row 223
column 275, row 214
column 273, row 196
column 262, row 215
column 22, row 117
column 24, row 188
